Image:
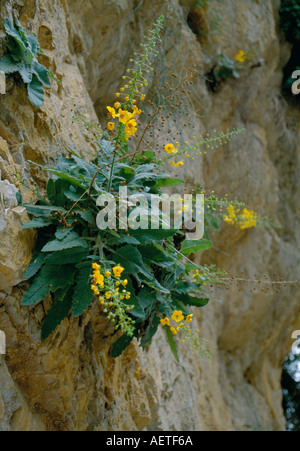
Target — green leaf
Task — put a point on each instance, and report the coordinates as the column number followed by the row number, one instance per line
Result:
column 41, row 74
column 191, row 300
column 58, row 312
column 34, row 267
column 16, row 33
column 88, row 168
column 70, row 241
column 56, row 191
column 86, row 215
column 83, row 295
column 62, row 232
column 8, row 65
column 151, row 235
column 169, row 181
column 42, row 210
column 25, row 70
column 67, row 256
column 34, row 44
column 72, row 195
column 130, row 258
column 64, row 176
column 156, row 254
column 120, row 345
column 138, row 312
column 36, row 92
column 171, row 342
column 192, row 247
column 36, row 223
column 49, row 279
column 151, row 329
column 147, row 300
column 186, row 287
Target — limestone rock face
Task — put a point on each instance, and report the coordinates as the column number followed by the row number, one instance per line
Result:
column 69, row 382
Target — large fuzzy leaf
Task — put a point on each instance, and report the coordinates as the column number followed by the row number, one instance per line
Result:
column 151, row 329
column 192, row 247
column 41, row 74
column 36, row 223
column 34, row 43
column 130, row 258
column 8, row 65
column 49, row 279
column 36, row 92
column 34, row 267
column 83, row 295
column 121, row 344
column 58, row 312
column 70, row 241
column 67, row 256
column 26, row 73
column 191, row 300
column 17, row 34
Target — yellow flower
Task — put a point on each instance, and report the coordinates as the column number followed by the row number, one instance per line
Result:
column 110, row 126
column 136, row 111
column 189, row 319
column 117, row 105
column 177, row 165
column 169, row 148
column 131, row 128
column 99, row 278
column 107, row 274
column 143, row 97
column 96, row 266
column 112, row 112
column 165, row 322
column 177, row 316
column 118, row 271
column 108, row 295
column 95, row 289
column 241, row 56
column 124, row 116
column 125, row 283
column 174, row 331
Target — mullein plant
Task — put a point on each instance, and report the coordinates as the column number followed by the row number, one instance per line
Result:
column 140, row 279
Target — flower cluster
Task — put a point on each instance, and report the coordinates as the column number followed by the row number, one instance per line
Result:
column 182, row 324
column 136, row 78
column 108, row 287
column 177, row 317
column 127, row 118
column 199, row 146
column 246, row 219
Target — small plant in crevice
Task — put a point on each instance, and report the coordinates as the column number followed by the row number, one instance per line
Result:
column 140, row 276
column 224, row 69
column 21, row 58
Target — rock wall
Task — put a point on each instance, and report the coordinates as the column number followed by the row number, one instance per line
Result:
column 69, row 382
